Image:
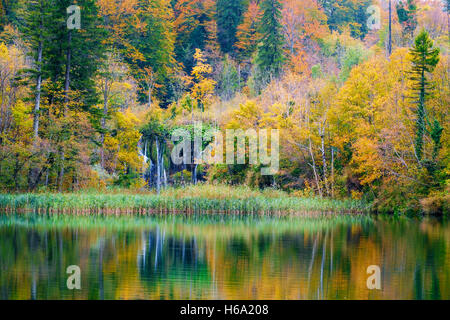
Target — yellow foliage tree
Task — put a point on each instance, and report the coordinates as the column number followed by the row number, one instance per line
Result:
column 202, row 87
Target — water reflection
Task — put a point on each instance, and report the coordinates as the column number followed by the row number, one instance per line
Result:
column 224, row 258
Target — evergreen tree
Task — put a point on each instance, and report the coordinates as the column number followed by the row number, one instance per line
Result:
column 347, row 13
column 152, row 59
column 9, row 12
column 424, row 60
column 35, row 28
column 270, row 55
column 229, row 15
column 73, row 56
column 407, row 16
column 193, row 22
column 358, row 27
column 72, row 59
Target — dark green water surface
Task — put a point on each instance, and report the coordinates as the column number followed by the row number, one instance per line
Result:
column 217, row 257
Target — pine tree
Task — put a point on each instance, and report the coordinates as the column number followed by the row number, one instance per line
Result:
column 36, row 31
column 152, row 59
column 193, row 19
column 347, row 13
column 229, row 15
column 270, row 50
column 359, row 27
column 35, row 27
column 9, row 10
column 72, row 59
column 424, row 60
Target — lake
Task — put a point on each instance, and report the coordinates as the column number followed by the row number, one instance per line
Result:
column 224, row 257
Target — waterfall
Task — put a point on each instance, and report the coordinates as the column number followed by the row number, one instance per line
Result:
column 142, row 150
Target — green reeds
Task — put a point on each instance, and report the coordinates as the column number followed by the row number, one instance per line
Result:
column 173, row 201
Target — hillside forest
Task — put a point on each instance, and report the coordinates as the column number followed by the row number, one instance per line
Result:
column 358, row 89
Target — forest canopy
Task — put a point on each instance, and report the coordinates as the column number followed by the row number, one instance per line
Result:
column 359, row 91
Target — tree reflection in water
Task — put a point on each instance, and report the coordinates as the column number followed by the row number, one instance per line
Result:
column 224, row 258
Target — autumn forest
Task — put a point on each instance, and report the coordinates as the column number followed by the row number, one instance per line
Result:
column 358, row 89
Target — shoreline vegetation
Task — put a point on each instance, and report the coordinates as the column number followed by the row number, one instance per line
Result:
column 190, row 200
column 160, row 94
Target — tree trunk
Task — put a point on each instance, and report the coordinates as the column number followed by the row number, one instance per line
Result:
column 239, row 77
column 390, row 29
column 421, row 119
column 103, row 123
column 66, row 105
column 316, row 176
column 332, row 172
column 34, row 170
column 37, row 102
column 67, row 79
column 149, row 97
column 324, row 160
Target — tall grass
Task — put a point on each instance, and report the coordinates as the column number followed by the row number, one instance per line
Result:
column 198, row 199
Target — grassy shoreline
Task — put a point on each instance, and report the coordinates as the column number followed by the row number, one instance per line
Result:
column 200, row 199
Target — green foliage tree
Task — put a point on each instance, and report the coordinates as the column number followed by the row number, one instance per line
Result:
column 407, row 16
column 9, row 12
column 347, row 13
column 67, row 61
column 35, row 28
column 73, row 57
column 229, row 15
column 424, row 59
column 152, row 59
column 270, row 55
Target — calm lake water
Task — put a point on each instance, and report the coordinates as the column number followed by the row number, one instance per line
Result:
column 216, row 257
